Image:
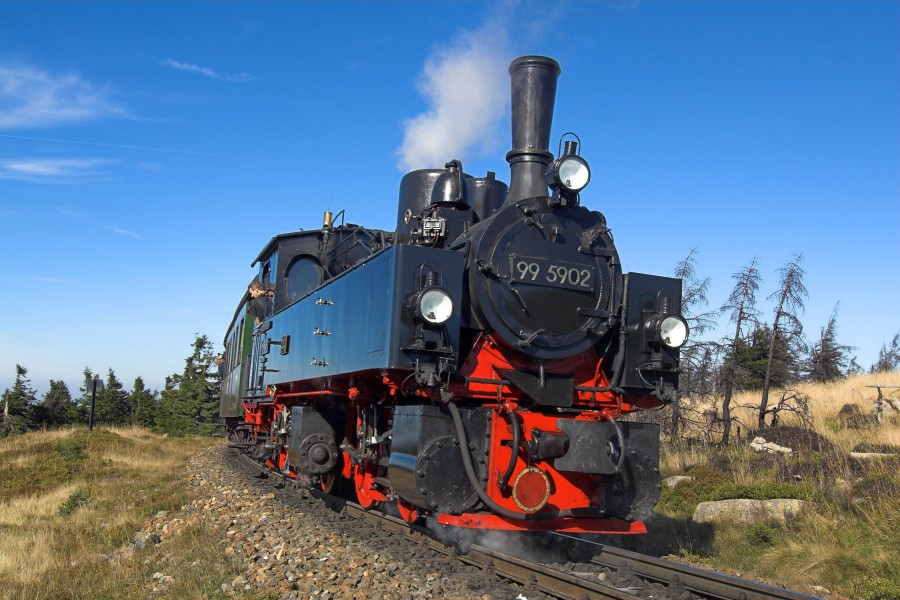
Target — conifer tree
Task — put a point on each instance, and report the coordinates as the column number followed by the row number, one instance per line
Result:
column 56, row 407
column 828, row 360
column 112, row 406
column 693, row 300
column 81, row 411
column 742, row 307
column 786, row 325
column 18, row 405
column 190, row 402
column 888, row 357
column 695, row 355
column 144, row 404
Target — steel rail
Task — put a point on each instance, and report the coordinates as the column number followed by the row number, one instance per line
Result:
column 703, row 582
column 558, row 583
column 531, row 575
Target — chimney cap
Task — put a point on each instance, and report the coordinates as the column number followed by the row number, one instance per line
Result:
column 534, row 61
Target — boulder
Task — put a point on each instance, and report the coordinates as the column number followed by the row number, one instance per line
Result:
column 747, row 511
column 761, row 445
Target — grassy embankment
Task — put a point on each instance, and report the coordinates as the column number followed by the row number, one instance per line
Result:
column 70, row 499
column 847, row 541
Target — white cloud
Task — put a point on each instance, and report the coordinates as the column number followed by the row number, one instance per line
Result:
column 121, row 231
column 207, row 72
column 467, row 92
column 30, row 97
column 50, row 170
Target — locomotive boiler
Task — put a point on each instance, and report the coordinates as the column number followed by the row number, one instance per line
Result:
column 473, row 365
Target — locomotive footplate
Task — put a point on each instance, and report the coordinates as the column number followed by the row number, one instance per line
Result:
column 568, row 525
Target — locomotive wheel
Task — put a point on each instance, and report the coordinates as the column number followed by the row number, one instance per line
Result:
column 332, row 483
column 366, row 494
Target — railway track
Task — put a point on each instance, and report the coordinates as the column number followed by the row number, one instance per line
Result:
column 609, row 572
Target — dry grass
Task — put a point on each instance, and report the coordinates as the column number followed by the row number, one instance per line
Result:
column 69, row 499
column 25, row 511
column 846, row 540
column 826, row 402
column 36, row 437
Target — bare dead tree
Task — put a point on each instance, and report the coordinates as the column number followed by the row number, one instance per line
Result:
column 793, row 402
column 790, row 296
column 693, row 296
column 741, row 305
column 693, row 354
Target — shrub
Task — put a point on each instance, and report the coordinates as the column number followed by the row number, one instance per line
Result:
column 710, row 484
column 69, row 448
column 76, row 500
column 874, row 587
column 883, row 484
column 761, row 535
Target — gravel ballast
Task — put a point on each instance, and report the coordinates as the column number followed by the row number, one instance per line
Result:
column 293, row 546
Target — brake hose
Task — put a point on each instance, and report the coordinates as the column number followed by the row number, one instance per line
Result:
column 514, row 450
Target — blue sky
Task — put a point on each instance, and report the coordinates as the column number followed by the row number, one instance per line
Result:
column 149, row 150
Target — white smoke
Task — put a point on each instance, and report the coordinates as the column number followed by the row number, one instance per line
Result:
column 467, row 90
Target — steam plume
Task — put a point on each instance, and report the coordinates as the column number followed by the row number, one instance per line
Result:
column 467, row 91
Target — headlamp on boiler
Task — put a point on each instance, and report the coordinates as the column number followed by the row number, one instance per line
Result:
column 569, row 173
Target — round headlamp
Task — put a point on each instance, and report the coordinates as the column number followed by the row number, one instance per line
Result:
column 669, row 330
column 434, row 305
column 570, row 173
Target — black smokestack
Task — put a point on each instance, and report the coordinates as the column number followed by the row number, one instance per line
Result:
column 533, row 95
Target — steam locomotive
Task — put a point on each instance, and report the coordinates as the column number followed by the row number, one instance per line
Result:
column 472, row 365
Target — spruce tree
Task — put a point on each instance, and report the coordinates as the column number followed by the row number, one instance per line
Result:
column 751, row 360
column 742, row 307
column 81, row 411
column 112, row 406
column 56, row 407
column 190, row 402
column 786, row 326
column 695, row 355
column 144, row 404
column 693, row 300
column 888, row 357
column 18, row 405
column 828, row 360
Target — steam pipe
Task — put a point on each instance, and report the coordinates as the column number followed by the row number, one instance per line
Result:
column 533, row 80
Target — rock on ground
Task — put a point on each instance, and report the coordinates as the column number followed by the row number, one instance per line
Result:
column 748, row 511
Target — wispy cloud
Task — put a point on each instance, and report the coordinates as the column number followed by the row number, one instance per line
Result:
column 121, row 231
column 30, row 97
column 466, row 92
column 41, row 170
column 207, row 72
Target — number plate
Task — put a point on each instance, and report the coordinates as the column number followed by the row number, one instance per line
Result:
column 553, row 273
